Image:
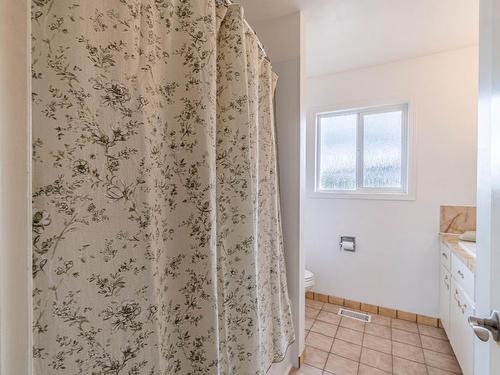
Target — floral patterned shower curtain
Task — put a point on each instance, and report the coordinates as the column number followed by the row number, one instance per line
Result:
column 157, row 243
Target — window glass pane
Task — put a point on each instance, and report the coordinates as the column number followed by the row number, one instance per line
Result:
column 382, row 154
column 337, row 159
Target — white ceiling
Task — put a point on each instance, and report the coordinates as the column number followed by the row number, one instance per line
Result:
column 348, row 34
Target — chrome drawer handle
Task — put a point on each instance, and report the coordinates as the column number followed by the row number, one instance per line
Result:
column 460, row 273
column 459, row 304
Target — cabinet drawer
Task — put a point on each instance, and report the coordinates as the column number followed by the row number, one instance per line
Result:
column 445, row 255
column 463, row 275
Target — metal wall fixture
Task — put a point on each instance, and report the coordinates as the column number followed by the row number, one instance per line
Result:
column 348, row 243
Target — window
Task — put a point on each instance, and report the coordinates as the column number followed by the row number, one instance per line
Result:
column 363, row 151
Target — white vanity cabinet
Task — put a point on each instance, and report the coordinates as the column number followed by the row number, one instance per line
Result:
column 456, row 304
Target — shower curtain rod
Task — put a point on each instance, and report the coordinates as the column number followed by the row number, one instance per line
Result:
column 259, row 43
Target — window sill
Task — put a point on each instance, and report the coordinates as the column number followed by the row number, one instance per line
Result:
column 389, row 196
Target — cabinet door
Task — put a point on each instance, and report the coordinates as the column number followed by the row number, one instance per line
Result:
column 444, row 298
column 464, row 276
column 462, row 337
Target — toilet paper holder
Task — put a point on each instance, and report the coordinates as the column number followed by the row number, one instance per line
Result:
column 348, row 243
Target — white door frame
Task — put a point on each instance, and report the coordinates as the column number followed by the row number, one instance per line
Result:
column 15, row 189
column 487, row 355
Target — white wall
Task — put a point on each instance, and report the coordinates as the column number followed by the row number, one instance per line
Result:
column 15, row 196
column 288, row 128
column 282, row 40
column 396, row 262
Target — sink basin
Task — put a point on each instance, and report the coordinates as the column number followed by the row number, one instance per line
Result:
column 469, row 247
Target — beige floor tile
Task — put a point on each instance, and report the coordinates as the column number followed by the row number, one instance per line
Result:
column 315, row 357
column 309, row 322
column 405, row 325
column 378, row 330
column 357, row 325
column 319, row 341
column 406, row 351
column 404, row 367
column 329, row 317
column 437, row 345
column 377, row 343
column 350, row 335
column 415, row 349
column 341, row 366
column 314, row 304
column 368, row 370
column 306, row 370
column 437, row 333
column 346, row 349
column 376, row 359
column 324, row 328
column 441, row 361
column 382, row 320
column 437, row 371
column 311, row 313
column 331, row 308
column 406, row 337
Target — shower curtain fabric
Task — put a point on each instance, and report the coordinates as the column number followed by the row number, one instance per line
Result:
column 157, row 244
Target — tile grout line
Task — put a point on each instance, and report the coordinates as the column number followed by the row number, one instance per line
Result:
column 328, row 354
column 422, row 345
column 362, row 342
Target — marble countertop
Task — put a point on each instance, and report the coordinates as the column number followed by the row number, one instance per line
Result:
column 454, row 244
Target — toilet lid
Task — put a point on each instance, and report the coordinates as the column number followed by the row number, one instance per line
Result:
column 308, row 275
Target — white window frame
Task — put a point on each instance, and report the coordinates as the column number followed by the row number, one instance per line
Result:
column 406, row 192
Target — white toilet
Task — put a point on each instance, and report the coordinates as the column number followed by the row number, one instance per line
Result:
column 308, row 280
